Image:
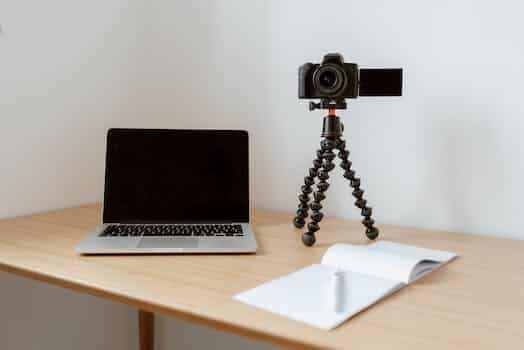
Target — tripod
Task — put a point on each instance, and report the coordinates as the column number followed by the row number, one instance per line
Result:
column 331, row 140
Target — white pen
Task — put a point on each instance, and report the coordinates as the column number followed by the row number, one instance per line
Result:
column 338, row 290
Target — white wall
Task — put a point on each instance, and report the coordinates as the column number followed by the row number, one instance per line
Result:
column 446, row 155
column 68, row 73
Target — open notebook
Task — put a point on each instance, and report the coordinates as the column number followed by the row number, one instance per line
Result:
column 349, row 279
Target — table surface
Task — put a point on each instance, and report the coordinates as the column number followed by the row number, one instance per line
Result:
column 475, row 302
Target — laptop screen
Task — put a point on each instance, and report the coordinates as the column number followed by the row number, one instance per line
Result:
column 169, row 176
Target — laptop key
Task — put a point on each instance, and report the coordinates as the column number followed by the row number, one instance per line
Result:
column 175, row 230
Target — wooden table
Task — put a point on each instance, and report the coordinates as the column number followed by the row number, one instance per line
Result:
column 476, row 302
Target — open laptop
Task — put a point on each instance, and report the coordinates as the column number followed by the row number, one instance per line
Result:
column 174, row 191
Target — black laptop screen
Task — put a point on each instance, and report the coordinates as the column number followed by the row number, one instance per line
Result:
column 176, row 176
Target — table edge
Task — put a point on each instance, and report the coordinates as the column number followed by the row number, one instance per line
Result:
column 160, row 309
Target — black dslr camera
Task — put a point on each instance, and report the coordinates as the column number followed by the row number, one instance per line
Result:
column 335, row 80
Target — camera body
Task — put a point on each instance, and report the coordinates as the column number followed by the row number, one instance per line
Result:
column 331, row 79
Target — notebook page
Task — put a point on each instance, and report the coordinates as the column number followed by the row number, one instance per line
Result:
column 409, row 250
column 374, row 262
column 306, row 295
column 425, row 260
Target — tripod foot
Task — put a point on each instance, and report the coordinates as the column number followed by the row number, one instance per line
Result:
column 299, row 222
column 308, row 239
column 372, row 233
column 327, row 156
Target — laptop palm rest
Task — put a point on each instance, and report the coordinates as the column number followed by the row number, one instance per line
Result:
column 168, row 242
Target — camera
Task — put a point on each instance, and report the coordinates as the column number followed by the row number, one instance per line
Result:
column 332, row 81
column 335, row 80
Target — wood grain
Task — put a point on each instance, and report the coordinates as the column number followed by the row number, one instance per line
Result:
column 476, row 302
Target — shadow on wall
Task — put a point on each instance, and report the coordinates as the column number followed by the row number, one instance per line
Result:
column 465, row 170
column 205, row 69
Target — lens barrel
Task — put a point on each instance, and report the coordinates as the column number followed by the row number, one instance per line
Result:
column 329, row 79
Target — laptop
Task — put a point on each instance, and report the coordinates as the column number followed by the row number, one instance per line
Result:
column 174, row 191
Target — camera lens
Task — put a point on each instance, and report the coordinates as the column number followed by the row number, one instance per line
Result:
column 327, row 79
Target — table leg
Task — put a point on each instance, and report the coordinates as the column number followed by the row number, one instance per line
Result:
column 146, row 330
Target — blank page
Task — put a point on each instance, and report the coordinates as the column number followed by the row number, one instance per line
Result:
column 384, row 259
column 306, row 295
column 426, row 259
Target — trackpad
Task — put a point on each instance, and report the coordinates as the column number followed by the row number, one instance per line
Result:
column 165, row 242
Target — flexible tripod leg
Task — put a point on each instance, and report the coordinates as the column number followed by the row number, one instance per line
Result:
column 327, row 146
column 371, row 231
column 303, row 198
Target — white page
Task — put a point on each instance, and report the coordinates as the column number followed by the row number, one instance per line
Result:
column 305, row 295
column 386, row 260
column 428, row 259
column 412, row 251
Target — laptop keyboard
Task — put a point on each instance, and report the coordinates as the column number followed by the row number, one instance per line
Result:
column 217, row 230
